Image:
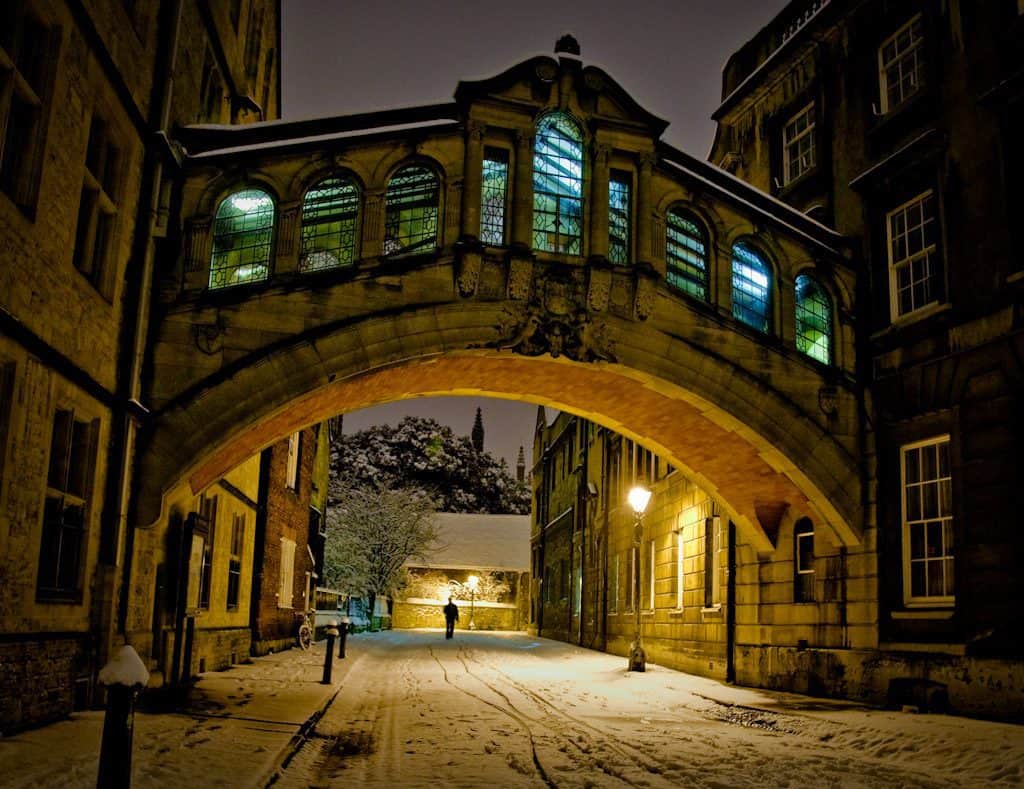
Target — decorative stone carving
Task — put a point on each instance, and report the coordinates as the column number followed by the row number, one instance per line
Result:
column 599, row 288
column 602, row 153
column 197, row 244
column 520, row 275
column 828, row 400
column 535, row 332
column 476, row 130
column 209, row 337
column 469, row 272
column 643, row 299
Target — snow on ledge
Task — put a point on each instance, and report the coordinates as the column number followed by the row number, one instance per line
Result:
column 125, row 668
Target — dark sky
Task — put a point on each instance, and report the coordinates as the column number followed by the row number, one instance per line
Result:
column 345, row 57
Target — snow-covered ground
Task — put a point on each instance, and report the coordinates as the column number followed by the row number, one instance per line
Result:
column 501, row 710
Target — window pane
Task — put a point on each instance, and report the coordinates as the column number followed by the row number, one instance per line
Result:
column 619, row 211
column 687, row 255
column 329, row 214
column 558, row 185
column 813, row 319
column 751, row 283
column 493, row 197
column 412, row 210
column 242, row 236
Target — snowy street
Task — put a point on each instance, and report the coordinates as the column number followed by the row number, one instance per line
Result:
column 510, row 710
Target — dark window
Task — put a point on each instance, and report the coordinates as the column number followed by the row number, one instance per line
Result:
column 413, row 200
column 751, row 288
column 803, row 560
column 208, row 510
column 813, row 319
column 235, row 560
column 686, row 249
column 330, row 213
column 494, row 196
column 97, row 209
column 558, row 185
column 620, row 194
column 66, row 511
column 242, row 235
column 915, row 263
column 24, row 42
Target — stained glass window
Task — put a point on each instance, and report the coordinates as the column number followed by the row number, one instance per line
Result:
column 412, row 209
column 813, row 319
column 620, row 189
column 493, row 196
column 751, row 288
column 330, row 212
column 686, row 250
column 558, row 185
column 242, row 234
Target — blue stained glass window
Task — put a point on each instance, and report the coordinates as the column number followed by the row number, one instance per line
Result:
column 493, row 196
column 558, row 185
column 751, row 288
column 619, row 208
column 813, row 319
column 413, row 198
column 686, row 250
column 329, row 213
column 242, row 235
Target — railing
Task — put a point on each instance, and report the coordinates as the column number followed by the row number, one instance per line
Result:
column 799, row 22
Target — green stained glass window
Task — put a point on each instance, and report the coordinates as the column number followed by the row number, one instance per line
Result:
column 558, row 185
column 412, row 209
column 494, row 196
column 686, row 250
column 242, row 234
column 330, row 212
column 751, row 288
column 620, row 193
column 813, row 319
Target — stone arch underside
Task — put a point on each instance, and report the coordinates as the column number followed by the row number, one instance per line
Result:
column 750, row 447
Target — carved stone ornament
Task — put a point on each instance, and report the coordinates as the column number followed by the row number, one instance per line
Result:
column 209, row 337
column 469, row 272
column 520, row 275
column 828, row 400
column 599, row 288
column 643, row 302
column 533, row 331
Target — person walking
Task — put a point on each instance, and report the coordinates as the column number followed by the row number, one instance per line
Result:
column 451, row 616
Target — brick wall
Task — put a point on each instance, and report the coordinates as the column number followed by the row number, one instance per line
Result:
column 37, row 680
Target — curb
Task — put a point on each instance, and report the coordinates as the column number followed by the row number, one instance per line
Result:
column 298, row 740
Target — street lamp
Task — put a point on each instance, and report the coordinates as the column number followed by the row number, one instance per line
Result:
column 638, row 499
column 473, row 582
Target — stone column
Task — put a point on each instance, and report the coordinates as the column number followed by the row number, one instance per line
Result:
column 288, row 242
column 472, row 180
column 644, row 212
column 599, row 202
column 522, row 200
column 373, row 225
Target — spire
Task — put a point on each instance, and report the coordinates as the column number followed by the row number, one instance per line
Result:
column 521, row 465
column 478, row 432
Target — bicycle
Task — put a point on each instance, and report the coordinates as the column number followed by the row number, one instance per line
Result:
column 305, row 633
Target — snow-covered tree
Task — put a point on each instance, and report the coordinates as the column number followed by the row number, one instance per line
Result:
column 371, row 533
column 424, row 455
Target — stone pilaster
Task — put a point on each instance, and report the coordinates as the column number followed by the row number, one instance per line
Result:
column 373, row 225
column 522, row 196
column 599, row 201
column 644, row 212
column 288, row 247
column 472, row 179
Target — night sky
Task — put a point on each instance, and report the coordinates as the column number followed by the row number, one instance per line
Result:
column 346, row 57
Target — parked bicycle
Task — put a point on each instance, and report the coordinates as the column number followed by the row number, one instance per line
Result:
column 305, row 632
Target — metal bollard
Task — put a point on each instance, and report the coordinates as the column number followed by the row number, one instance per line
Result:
column 329, row 655
column 342, row 635
column 124, row 676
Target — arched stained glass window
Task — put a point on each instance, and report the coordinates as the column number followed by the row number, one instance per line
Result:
column 330, row 211
column 410, row 224
column 686, row 250
column 751, row 288
column 813, row 319
column 242, row 234
column 558, row 185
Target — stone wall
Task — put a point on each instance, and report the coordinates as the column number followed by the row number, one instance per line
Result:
column 419, row 613
column 37, row 680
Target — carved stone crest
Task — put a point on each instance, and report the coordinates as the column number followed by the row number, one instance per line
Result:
column 535, row 332
column 599, row 288
column 828, row 400
column 209, row 337
column 520, row 275
column 643, row 303
column 469, row 272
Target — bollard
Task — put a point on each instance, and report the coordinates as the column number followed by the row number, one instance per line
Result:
column 124, row 676
column 342, row 635
column 329, row 655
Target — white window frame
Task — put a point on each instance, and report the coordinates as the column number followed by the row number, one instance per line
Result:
column 286, row 574
column 794, row 143
column 679, row 569
column 907, row 523
column 613, row 607
column 928, row 254
column 914, row 52
column 292, row 469
column 711, row 564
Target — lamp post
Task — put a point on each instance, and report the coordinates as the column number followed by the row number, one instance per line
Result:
column 638, row 499
column 473, row 582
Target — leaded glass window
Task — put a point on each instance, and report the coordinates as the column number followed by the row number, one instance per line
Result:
column 686, row 250
column 620, row 195
column 413, row 198
column 494, row 196
column 330, row 212
column 813, row 319
column 242, row 234
column 558, row 185
column 751, row 288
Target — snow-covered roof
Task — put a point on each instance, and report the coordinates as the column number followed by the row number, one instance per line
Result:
column 480, row 542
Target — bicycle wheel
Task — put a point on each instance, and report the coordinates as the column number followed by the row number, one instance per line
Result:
column 305, row 636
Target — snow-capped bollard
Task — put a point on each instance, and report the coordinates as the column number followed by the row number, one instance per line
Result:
column 124, row 676
column 342, row 636
column 329, row 655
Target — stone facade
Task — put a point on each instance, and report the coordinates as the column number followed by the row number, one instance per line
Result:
column 413, row 613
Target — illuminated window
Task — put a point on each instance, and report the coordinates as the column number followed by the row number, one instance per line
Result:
column 914, row 263
column 413, row 198
column 803, row 560
column 494, row 196
column 330, row 212
column 686, row 250
column 712, row 567
column 619, row 207
column 751, row 288
column 235, row 560
column 558, row 185
column 292, row 462
column 242, row 234
column 813, row 319
column 901, row 65
column 927, row 508
column 798, row 150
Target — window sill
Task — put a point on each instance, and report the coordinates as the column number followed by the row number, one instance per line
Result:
column 59, row 598
column 930, row 613
column 935, row 308
column 714, row 609
column 676, row 612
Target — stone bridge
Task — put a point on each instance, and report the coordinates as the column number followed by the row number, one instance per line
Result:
column 534, row 240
